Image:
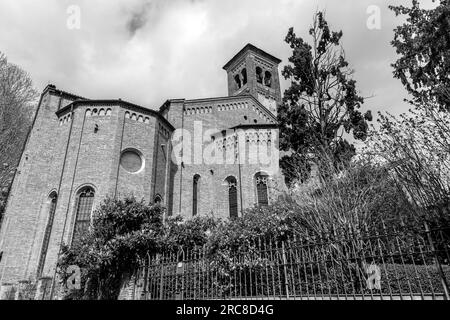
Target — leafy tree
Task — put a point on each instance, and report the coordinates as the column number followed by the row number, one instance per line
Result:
column 296, row 167
column 322, row 102
column 17, row 97
column 423, row 43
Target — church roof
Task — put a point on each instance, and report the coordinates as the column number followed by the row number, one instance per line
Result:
column 250, row 47
column 52, row 88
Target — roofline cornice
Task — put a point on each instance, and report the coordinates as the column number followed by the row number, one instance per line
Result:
column 257, row 126
column 260, row 105
column 53, row 90
column 168, row 102
column 119, row 102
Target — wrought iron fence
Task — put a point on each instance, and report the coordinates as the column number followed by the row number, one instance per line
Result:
column 342, row 264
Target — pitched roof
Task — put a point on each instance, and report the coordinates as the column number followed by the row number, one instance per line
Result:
column 250, row 47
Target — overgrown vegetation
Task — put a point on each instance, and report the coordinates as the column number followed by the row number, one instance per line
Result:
column 125, row 231
column 415, row 147
column 415, row 150
column 122, row 232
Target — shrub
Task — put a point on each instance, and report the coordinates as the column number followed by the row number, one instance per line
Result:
column 122, row 233
column 415, row 149
column 188, row 234
column 413, row 278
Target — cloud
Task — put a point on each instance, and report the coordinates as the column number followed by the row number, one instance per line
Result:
column 138, row 19
column 147, row 51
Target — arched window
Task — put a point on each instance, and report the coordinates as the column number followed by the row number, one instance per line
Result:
column 85, row 200
column 268, row 79
column 244, row 76
column 259, row 75
column 238, row 81
column 158, row 199
column 232, row 197
column 52, row 200
column 195, row 195
column 261, row 189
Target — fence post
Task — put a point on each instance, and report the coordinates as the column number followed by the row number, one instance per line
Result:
column 146, row 267
column 180, row 273
column 161, row 286
column 286, row 284
column 437, row 262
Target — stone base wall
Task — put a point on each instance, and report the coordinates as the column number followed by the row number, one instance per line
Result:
column 7, row 291
column 27, row 290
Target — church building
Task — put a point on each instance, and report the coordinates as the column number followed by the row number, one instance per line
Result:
column 215, row 156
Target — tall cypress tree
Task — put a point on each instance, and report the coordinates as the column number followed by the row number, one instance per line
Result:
column 321, row 104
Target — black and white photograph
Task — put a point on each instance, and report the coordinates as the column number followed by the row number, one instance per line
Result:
column 225, row 157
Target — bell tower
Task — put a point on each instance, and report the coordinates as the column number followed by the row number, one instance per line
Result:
column 254, row 71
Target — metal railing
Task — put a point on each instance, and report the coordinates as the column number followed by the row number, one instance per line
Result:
column 386, row 264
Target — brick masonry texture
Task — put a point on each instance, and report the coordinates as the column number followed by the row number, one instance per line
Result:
column 76, row 142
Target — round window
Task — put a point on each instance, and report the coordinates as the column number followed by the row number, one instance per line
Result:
column 131, row 161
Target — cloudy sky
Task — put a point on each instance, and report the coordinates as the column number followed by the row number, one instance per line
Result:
column 147, row 51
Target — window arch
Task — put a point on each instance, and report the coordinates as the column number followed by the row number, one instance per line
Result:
column 268, row 79
column 158, row 199
column 259, row 75
column 195, row 184
column 52, row 201
column 261, row 189
column 83, row 209
column 232, row 197
column 244, row 76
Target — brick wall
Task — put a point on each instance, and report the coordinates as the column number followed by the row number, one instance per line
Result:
column 220, row 114
column 37, row 175
column 65, row 153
